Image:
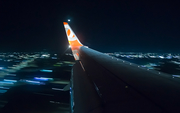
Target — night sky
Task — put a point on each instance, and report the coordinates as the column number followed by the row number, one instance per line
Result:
column 106, row 26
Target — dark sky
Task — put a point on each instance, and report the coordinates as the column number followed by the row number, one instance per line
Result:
column 107, row 26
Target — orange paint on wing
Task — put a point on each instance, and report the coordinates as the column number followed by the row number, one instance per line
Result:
column 65, row 23
column 77, row 54
column 73, row 36
column 68, row 32
column 75, row 43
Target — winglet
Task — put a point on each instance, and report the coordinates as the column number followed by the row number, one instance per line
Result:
column 73, row 40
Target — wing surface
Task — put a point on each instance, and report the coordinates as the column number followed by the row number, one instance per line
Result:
column 104, row 84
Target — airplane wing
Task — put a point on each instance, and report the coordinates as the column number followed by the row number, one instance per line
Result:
column 104, row 84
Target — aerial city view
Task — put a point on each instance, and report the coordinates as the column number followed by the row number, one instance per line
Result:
column 34, row 80
column 89, row 56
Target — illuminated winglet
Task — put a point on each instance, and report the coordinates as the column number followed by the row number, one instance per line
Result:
column 73, row 40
